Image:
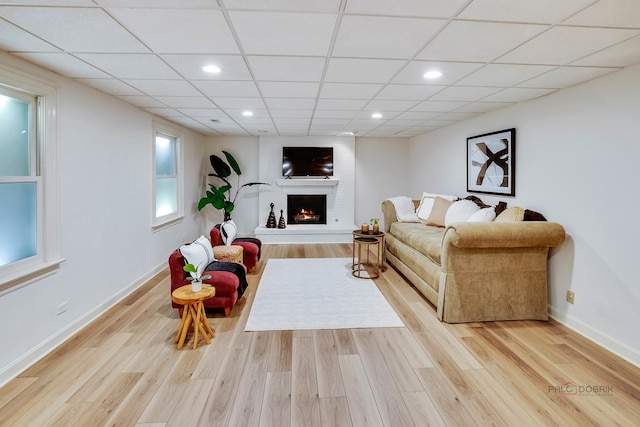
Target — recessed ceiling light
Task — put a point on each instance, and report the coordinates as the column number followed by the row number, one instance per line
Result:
column 376, row 116
column 433, row 74
column 247, row 113
column 211, row 69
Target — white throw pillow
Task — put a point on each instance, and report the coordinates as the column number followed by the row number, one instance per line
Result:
column 405, row 209
column 483, row 215
column 198, row 253
column 426, row 204
column 460, row 211
column 228, row 232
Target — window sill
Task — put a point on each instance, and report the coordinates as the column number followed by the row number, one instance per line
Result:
column 28, row 276
column 167, row 223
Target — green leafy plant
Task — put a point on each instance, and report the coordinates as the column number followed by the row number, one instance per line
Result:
column 220, row 196
column 195, row 276
column 374, row 220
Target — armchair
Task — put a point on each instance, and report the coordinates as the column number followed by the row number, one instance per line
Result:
column 251, row 247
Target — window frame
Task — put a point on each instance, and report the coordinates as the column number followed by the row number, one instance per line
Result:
column 164, row 130
column 44, row 171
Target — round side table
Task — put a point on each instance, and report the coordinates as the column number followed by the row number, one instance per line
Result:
column 193, row 313
column 365, row 240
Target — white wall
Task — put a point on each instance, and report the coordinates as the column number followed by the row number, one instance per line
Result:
column 382, row 171
column 577, row 157
column 105, row 178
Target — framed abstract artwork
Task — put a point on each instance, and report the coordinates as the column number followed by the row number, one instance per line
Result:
column 491, row 163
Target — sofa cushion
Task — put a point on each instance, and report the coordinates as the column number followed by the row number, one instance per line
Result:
column 460, row 211
column 423, row 238
column 426, row 204
column 439, row 211
column 405, row 209
column 513, row 214
column 483, row 215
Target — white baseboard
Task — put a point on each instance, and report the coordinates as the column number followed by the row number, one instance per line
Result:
column 620, row 349
column 50, row 344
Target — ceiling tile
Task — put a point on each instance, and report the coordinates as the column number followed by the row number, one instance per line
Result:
column 566, row 76
column 186, row 101
column 439, row 106
column 190, row 66
column 289, row 89
column 291, row 114
column 58, row 3
column 517, row 95
column 347, row 70
column 243, row 103
column 483, row 107
column 164, row 112
column 424, row 8
column 278, row 68
column 464, row 93
column 408, row 92
column 538, row 11
column 350, row 90
column 383, row 37
column 130, row 66
column 64, row 64
column 478, row 41
column 417, row 115
column 278, row 33
column 290, row 103
column 451, row 72
column 622, row 54
column 610, row 13
column 142, row 101
column 15, row 39
column 390, row 105
column 225, row 88
column 285, row 5
column 163, row 87
column 334, row 114
column 85, row 29
column 185, row 31
column 111, row 86
column 341, row 104
column 569, row 44
column 208, row 113
column 503, row 75
column 170, row 4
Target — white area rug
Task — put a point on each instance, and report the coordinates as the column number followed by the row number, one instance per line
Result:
column 317, row 293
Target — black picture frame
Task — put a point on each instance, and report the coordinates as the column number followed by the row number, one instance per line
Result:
column 491, row 163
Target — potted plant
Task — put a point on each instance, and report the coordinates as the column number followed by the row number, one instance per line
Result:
column 220, row 197
column 196, row 277
column 374, row 225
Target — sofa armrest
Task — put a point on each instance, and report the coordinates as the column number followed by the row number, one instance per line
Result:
column 503, row 234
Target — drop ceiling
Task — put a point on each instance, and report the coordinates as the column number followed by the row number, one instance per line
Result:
column 311, row 67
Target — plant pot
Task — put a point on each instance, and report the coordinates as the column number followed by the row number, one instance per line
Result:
column 376, row 228
column 196, row 286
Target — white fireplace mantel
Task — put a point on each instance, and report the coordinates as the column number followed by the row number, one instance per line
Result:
column 311, row 182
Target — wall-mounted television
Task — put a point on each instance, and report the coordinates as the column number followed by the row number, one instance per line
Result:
column 307, row 161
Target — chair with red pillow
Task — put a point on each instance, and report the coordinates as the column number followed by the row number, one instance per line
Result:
column 250, row 246
column 225, row 282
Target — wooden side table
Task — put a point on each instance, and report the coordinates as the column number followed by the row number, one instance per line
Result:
column 359, row 266
column 228, row 253
column 193, row 313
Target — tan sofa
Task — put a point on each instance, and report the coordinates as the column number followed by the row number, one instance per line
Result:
column 474, row 272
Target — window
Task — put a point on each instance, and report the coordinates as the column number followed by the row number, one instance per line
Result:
column 28, row 194
column 167, row 176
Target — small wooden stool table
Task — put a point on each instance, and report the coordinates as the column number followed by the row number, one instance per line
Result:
column 228, row 253
column 193, row 312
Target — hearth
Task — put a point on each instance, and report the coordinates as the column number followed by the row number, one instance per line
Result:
column 306, row 209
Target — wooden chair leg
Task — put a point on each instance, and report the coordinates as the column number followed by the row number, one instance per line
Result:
column 227, row 311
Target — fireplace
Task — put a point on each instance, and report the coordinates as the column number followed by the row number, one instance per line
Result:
column 306, row 209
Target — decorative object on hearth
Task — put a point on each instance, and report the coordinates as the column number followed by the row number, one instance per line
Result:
column 281, row 223
column 271, row 221
column 220, row 196
column 491, row 163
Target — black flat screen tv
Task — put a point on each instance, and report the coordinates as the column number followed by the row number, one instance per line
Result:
column 307, row 161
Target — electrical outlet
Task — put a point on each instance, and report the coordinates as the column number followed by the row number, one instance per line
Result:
column 61, row 308
column 571, row 297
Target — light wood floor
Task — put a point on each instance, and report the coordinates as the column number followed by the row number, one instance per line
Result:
column 125, row 370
